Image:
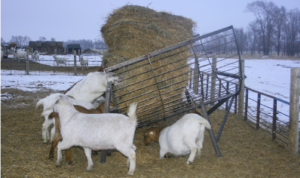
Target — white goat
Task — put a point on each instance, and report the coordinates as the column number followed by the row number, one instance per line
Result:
column 18, row 54
column 35, row 56
column 60, row 60
column 96, row 131
column 87, row 90
column 92, row 86
column 83, row 62
column 47, row 103
column 183, row 137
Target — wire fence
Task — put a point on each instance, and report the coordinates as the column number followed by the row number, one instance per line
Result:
column 46, row 65
column 263, row 111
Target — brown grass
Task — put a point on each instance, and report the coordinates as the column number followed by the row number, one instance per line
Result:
column 245, row 152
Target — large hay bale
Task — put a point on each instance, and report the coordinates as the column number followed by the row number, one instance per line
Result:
column 132, row 31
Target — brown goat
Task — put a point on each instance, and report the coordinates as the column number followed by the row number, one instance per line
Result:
column 153, row 133
column 57, row 136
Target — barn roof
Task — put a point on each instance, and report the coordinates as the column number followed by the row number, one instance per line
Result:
column 73, row 46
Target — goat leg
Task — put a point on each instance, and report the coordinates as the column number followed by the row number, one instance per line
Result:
column 68, row 156
column 55, row 141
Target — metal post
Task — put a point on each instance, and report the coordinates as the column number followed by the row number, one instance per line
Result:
column 191, row 78
column 274, row 119
column 106, row 110
column 227, row 88
column 75, row 64
column 235, row 100
column 211, row 132
column 258, row 110
column 196, row 76
column 213, row 78
column 207, row 86
column 293, row 145
column 224, row 120
column 220, row 88
column 246, row 105
column 241, row 94
column 27, row 66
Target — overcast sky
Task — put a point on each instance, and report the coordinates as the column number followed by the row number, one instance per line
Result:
column 82, row 19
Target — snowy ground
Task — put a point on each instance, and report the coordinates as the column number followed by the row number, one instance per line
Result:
column 268, row 76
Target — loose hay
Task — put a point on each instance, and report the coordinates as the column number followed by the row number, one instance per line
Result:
column 245, row 152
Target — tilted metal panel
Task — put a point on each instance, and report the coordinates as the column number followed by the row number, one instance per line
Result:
column 168, row 82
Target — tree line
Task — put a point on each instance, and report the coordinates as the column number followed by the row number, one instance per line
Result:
column 275, row 29
column 23, row 41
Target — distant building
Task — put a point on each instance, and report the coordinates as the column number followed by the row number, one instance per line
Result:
column 72, row 47
column 47, row 46
column 6, row 49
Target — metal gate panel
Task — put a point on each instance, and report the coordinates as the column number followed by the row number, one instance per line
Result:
column 178, row 78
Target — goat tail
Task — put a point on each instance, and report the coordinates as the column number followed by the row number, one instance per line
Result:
column 132, row 112
column 204, row 122
column 40, row 102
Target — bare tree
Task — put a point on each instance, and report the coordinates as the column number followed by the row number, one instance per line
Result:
column 42, row 38
column 99, row 44
column 278, row 28
column 265, row 18
column 292, row 32
column 241, row 39
column 254, row 38
column 2, row 41
column 52, row 39
column 21, row 41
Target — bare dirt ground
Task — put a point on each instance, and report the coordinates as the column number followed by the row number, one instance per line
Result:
column 245, row 152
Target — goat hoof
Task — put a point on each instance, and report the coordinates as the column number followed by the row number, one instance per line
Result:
column 57, row 165
column 89, row 168
column 130, row 173
column 51, row 156
column 70, row 163
column 189, row 162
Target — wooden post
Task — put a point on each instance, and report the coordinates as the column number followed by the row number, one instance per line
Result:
column 241, row 94
column 27, row 66
column 213, row 78
column 75, row 64
column 293, row 145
